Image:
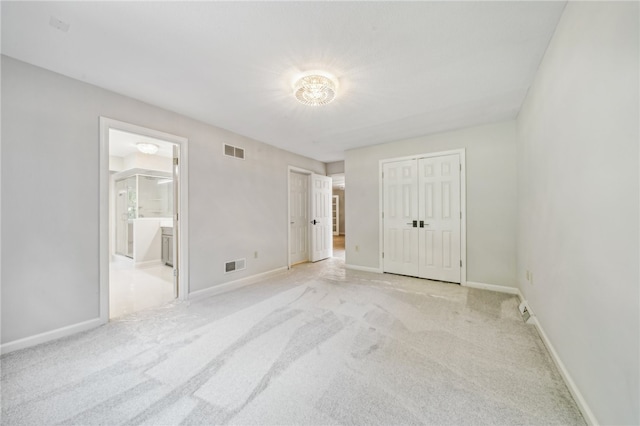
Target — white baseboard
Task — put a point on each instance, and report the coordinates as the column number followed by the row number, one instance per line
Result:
column 49, row 336
column 147, row 263
column 492, row 287
column 233, row 285
column 363, row 268
column 584, row 408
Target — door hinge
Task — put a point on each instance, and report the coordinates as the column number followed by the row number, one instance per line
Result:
column 383, row 255
column 176, row 217
column 175, row 272
column 461, row 263
column 175, row 161
column 460, row 215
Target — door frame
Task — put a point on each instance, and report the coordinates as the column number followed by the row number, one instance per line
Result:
column 183, row 225
column 463, row 205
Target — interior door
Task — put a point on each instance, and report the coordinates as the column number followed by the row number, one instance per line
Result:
column 400, row 210
column 321, row 218
column 439, row 217
column 299, row 217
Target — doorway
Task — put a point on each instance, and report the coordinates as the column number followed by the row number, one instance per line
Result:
column 309, row 234
column 338, row 180
column 423, row 216
column 142, row 218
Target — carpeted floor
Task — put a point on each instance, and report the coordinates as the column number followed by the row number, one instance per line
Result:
column 315, row 345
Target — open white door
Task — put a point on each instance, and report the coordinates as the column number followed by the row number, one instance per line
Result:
column 321, row 218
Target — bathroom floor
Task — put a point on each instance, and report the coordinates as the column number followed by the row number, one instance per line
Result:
column 132, row 289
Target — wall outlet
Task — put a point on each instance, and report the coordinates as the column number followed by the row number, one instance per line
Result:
column 529, row 276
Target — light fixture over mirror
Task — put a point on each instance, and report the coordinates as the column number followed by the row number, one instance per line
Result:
column 315, row 88
column 147, row 148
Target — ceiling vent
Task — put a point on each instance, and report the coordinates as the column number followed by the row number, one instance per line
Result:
column 233, row 151
column 234, row 265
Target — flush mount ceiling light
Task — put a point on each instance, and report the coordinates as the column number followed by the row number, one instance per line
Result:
column 147, row 148
column 315, row 88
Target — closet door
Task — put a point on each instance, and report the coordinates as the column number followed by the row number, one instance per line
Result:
column 400, row 209
column 439, row 217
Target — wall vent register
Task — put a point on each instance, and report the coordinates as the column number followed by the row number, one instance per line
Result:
column 234, row 265
column 233, row 151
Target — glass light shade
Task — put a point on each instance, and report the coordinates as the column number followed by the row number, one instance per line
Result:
column 315, row 88
column 147, row 148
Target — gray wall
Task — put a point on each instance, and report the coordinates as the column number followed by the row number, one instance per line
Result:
column 50, row 197
column 578, row 203
column 491, row 198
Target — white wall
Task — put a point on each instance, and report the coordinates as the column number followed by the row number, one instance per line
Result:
column 50, row 163
column 491, row 198
column 578, row 203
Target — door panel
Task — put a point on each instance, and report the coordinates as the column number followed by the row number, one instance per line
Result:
column 439, row 208
column 299, row 217
column 400, row 209
column 321, row 218
column 423, row 192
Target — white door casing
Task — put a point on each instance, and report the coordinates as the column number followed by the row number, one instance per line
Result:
column 298, row 217
column 422, row 217
column 321, row 217
column 176, row 224
column 182, row 251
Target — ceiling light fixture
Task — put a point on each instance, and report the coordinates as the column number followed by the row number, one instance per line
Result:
column 147, row 148
column 315, row 88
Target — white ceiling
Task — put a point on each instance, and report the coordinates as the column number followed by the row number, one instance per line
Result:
column 405, row 68
column 122, row 144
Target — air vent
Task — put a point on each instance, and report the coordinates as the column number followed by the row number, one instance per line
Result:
column 234, row 265
column 233, row 151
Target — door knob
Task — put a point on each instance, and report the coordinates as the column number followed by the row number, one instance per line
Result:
column 314, row 221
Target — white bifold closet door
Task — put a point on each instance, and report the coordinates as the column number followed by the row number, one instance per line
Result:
column 422, row 218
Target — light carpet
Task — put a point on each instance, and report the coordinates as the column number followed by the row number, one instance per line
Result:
column 315, row 345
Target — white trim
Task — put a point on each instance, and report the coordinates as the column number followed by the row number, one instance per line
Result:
column 493, row 287
column 584, row 408
column 147, row 264
column 233, row 285
column 183, row 230
column 49, row 335
column 463, row 205
column 363, row 268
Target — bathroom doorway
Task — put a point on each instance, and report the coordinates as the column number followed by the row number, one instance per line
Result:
column 145, row 181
